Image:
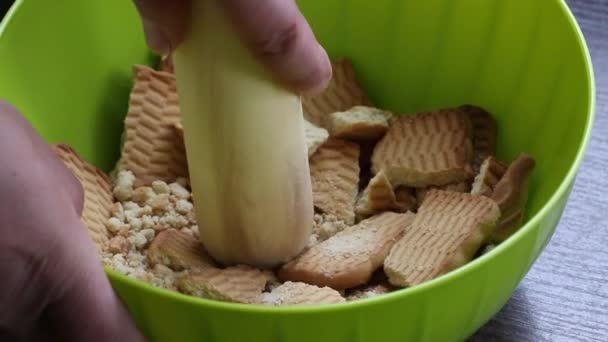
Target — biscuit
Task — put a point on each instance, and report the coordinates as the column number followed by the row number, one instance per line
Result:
column 359, row 123
column 342, row 93
column 314, row 136
column 431, row 148
column 350, row 257
column 179, row 251
column 484, row 134
column 511, row 194
column 377, row 197
column 294, row 293
column 237, row 284
column 490, row 172
column 152, row 149
column 445, row 234
column 98, row 198
column 456, row 187
column 334, row 170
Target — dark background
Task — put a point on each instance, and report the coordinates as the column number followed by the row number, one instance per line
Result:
column 565, row 295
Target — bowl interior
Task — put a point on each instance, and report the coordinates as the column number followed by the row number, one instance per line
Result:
column 67, row 66
column 72, row 76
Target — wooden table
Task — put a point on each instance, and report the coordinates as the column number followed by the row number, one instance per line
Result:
column 564, row 297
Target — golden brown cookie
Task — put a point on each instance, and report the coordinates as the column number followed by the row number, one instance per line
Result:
column 98, row 198
column 152, row 148
column 484, row 134
column 511, row 194
column 342, row 93
column 490, row 172
column 238, row 284
column 294, row 293
column 350, row 257
column 456, row 187
column 431, row 148
column 359, row 123
column 445, row 234
column 179, row 251
column 379, row 196
column 334, row 170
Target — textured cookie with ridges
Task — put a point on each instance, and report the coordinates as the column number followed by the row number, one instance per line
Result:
column 152, row 149
column 359, row 123
column 315, row 137
column 342, row 93
column 178, row 251
column 296, row 293
column 490, row 172
column 334, row 169
column 445, row 234
column 378, row 197
column 430, row 148
column 511, row 194
column 97, row 186
column 456, row 187
column 238, row 284
column 349, row 258
column 484, row 134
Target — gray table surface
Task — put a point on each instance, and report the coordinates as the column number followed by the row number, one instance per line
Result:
column 564, row 297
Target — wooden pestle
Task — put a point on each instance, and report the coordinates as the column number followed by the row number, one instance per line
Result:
column 245, row 146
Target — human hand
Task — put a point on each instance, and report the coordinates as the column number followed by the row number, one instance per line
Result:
column 53, row 285
column 284, row 42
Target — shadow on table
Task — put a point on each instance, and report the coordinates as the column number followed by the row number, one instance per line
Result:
column 514, row 322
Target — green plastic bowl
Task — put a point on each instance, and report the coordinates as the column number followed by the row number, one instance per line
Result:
column 67, row 66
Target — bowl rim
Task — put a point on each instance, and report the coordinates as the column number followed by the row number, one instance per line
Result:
column 562, row 190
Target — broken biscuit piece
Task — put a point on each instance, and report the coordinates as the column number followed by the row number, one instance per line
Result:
column 484, row 134
column 490, row 172
column 431, row 148
column 179, row 251
column 511, row 194
column 342, row 93
column 456, row 187
column 350, row 257
column 97, row 187
column 315, row 137
column 359, row 123
column 334, row 170
column 295, row 293
column 445, row 234
column 152, row 149
column 378, row 197
column 237, row 284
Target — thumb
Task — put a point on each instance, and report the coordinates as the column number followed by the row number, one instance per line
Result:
column 280, row 37
column 88, row 309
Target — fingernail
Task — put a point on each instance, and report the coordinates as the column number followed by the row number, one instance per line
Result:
column 156, row 38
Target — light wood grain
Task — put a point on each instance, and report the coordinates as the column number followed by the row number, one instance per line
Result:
column 565, row 295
